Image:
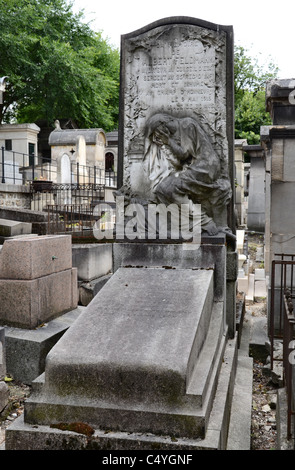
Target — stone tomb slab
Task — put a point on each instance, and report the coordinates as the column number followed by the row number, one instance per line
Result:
column 11, row 228
column 142, row 335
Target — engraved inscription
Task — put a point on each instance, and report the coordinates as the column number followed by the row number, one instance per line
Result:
column 182, row 75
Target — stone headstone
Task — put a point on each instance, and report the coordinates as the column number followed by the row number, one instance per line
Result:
column 65, row 169
column 176, row 119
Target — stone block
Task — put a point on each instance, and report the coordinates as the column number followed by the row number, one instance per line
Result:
column 10, row 228
column 240, row 240
column 32, row 258
column 250, row 293
column 209, row 255
column 4, row 395
column 92, row 260
column 259, row 274
column 243, row 284
column 29, row 303
column 260, row 290
column 27, row 349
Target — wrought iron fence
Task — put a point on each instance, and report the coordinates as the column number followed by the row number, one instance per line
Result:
column 288, row 360
column 76, row 219
column 20, row 168
column 79, row 220
column 281, row 324
column 52, row 194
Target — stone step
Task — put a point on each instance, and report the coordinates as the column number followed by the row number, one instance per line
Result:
column 239, row 437
column 211, row 352
column 23, row 436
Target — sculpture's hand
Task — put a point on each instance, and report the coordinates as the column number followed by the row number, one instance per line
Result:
column 162, row 136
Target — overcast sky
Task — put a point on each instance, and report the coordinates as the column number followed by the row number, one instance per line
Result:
column 259, row 25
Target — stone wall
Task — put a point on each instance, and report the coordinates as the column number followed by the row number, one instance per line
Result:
column 15, row 196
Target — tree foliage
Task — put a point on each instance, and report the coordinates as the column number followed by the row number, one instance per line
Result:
column 250, row 82
column 57, row 66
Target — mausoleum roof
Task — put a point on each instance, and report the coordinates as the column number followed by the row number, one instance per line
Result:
column 69, row 136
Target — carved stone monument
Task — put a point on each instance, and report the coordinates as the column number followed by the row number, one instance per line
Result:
column 176, row 134
column 155, row 364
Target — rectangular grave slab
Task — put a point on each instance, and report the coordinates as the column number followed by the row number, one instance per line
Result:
column 143, row 333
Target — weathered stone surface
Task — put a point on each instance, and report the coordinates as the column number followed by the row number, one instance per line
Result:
column 28, row 303
column 176, row 85
column 27, row 348
column 278, row 101
column 92, row 260
column 137, row 376
column 208, row 256
column 35, row 257
column 9, row 228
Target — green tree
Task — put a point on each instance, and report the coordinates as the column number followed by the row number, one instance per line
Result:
column 250, row 82
column 57, row 66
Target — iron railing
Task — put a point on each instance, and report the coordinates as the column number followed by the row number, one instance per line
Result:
column 79, row 220
column 281, row 324
column 76, row 219
column 288, row 351
column 21, row 168
column 44, row 195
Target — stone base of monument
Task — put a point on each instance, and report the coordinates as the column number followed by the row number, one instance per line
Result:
column 26, row 349
column 37, row 280
column 154, row 367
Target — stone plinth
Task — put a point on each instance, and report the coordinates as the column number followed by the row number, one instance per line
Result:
column 10, row 228
column 280, row 101
column 92, row 260
column 37, row 281
column 35, row 257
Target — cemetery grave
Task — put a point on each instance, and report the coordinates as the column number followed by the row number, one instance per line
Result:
column 167, row 361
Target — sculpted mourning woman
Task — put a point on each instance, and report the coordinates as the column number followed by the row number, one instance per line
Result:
column 183, row 168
